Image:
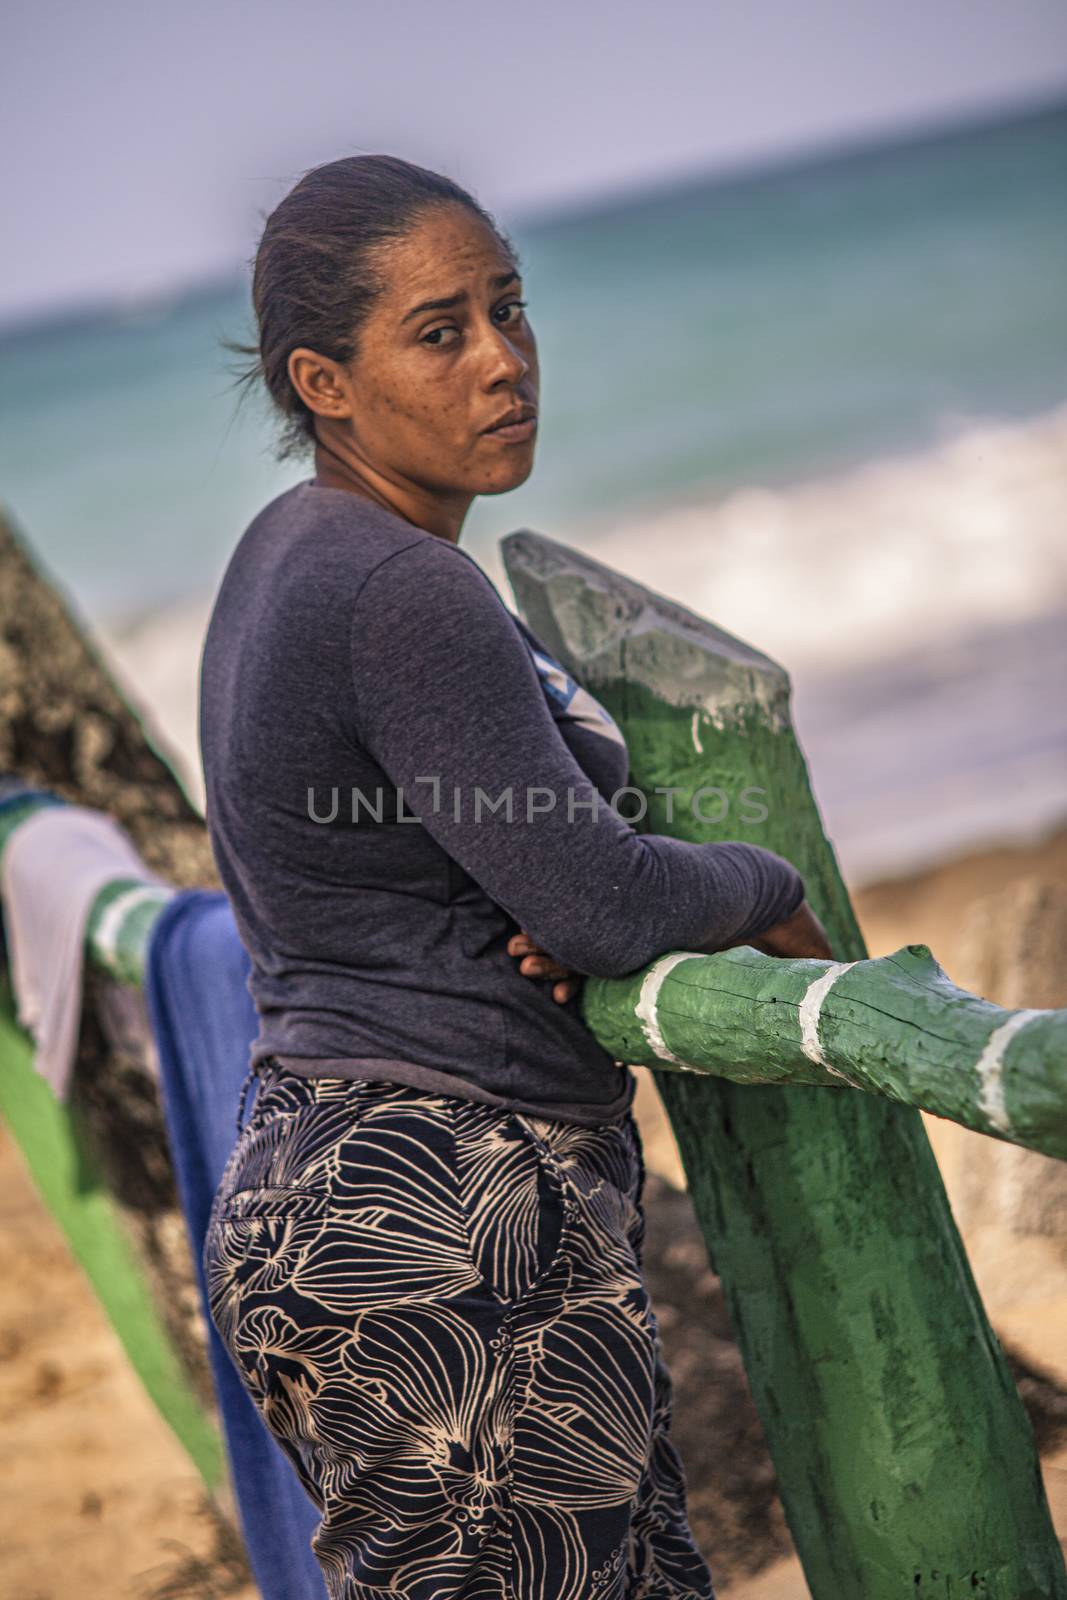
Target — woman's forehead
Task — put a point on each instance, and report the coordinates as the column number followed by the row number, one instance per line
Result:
column 442, row 254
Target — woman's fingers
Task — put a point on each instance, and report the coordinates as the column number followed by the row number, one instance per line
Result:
column 564, row 991
column 542, row 967
column 535, row 963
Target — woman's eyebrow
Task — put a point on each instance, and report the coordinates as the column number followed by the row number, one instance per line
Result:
column 450, row 300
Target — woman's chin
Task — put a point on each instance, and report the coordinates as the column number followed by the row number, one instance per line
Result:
column 507, row 474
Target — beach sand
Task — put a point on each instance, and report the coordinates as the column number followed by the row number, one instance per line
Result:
column 98, row 1498
column 101, row 1502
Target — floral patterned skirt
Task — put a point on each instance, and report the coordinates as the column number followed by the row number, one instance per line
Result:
column 438, row 1307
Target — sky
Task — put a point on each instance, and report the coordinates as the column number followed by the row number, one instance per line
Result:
column 144, row 143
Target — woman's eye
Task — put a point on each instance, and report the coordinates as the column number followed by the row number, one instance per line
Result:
column 441, row 338
column 435, row 337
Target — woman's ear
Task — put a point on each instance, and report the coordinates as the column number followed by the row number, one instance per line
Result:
column 319, row 382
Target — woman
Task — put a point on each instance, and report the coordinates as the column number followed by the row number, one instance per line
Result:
column 425, row 1253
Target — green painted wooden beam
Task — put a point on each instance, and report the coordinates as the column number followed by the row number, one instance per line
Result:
column 897, row 1026
column 48, row 1134
column 904, row 1456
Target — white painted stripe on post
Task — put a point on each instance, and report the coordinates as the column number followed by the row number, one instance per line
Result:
column 990, row 1066
column 648, row 1000
column 811, row 1010
column 110, row 925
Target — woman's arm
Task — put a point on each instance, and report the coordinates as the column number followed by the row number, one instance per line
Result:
column 448, row 702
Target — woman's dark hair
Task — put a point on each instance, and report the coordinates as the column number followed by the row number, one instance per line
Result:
column 314, row 276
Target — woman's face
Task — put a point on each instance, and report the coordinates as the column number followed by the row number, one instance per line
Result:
column 445, row 353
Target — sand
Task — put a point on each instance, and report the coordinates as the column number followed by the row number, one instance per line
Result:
column 98, row 1498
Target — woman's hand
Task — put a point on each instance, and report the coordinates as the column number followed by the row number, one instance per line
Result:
column 801, row 935
column 536, row 963
column 798, row 936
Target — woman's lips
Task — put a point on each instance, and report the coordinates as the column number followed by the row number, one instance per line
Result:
column 513, row 432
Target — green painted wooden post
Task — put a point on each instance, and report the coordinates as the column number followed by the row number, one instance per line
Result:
column 905, row 1460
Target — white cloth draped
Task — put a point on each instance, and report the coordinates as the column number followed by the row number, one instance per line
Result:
column 51, row 871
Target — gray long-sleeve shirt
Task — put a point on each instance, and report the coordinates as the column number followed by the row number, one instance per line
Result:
column 398, row 777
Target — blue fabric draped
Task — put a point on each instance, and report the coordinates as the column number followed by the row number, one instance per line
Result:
column 204, row 1021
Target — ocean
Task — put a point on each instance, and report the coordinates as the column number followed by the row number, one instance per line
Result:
column 824, row 404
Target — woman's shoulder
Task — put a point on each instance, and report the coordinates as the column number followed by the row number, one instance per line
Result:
column 329, row 538
column 308, row 505
column 430, row 575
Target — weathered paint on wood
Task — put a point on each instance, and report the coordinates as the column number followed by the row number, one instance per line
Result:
column 905, row 1459
column 897, row 1026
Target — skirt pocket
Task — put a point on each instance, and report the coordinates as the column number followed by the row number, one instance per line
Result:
column 284, row 1162
column 271, row 1201
column 510, row 1199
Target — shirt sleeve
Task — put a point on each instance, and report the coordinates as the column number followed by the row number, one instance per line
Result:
column 448, row 703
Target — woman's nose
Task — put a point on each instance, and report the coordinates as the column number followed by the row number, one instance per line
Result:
column 503, row 362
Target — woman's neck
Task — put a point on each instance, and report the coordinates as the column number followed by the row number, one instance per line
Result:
column 413, row 504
